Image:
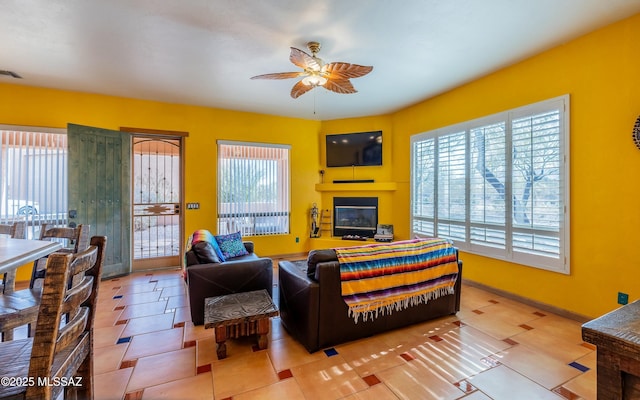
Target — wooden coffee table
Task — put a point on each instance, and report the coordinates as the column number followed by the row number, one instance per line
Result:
column 239, row 314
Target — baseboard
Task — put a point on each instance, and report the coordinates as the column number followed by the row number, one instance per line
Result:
column 533, row 303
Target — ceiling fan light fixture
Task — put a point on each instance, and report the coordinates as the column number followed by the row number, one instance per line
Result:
column 335, row 77
column 314, row 80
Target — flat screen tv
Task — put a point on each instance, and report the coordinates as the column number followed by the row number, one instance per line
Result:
column 354, row 149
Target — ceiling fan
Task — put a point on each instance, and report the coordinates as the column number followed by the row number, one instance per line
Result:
column 333, row 76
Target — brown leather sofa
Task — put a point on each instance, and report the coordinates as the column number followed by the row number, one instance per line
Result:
column 240, row 274
column 313, row 312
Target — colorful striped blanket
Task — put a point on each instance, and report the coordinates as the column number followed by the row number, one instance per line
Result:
column 380, row 278
column 201, row 235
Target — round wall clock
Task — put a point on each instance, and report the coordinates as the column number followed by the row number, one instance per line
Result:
column 636, row 133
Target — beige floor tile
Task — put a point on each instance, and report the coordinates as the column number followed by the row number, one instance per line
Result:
column 442, row 352
column 179, row 290
column 168, row 278
column 511, row 312
column 502, row 383
column 111, row 385
column 177, row 301
column 199, row 387
column 472, row 343
column 154, row 343
column 162, row 368
column 193, row 332
column 107, row 304
column 415, row 380
column 562, row 348
column 276, row 330
column 498, row 322
column 584, row 385
column 144, row 309
column 108, row 358
column 329, row 378
column 287, row 353
column 137, row 288
column 243, row 344
column 475, row 298
column 543, row 369
column 377, row 392
column 370, row 355
column 405, row 338
column 152, row 323
column 107, row 336
column 444, row 360
column 139, row 298
column 287, row 389
column 206, row 352
column 477, row 395
column 138, row 278
column 106, row 318
column 182, row 314
column 242, row 373
column 589, row 360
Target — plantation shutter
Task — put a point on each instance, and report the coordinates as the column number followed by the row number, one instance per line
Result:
column 451, row 188
column 423, row 194
column 537, row 153
column 488, row 191
column 498, row 186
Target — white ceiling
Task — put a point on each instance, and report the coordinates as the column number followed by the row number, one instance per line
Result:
column 203, row 52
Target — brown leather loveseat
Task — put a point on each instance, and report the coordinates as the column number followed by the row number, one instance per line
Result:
column 313, row 311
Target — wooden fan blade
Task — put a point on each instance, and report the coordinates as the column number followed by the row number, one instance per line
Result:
column 299, row 89
column 341, row 70
column 303, row 60
column 279, row 75
column 342, row 86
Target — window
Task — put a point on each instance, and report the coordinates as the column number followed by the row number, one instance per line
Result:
column 253, row 188
column 33, row 185
column 498, row 186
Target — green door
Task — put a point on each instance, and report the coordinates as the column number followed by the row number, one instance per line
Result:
column 99, row 190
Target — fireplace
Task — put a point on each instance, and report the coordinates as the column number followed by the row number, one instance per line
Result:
column 355, row 216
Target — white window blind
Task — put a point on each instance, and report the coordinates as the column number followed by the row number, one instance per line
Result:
column 498, row 186
column 33, row 182
column 253, row 188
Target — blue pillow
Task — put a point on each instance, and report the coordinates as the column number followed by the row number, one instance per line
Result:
column 231, row 245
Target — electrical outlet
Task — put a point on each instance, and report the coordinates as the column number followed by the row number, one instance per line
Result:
column 297, row 239
column 623, row 298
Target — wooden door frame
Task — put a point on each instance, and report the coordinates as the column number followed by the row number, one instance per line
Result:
column 146, row 264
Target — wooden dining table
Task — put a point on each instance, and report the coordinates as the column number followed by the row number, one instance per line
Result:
column 17, row 252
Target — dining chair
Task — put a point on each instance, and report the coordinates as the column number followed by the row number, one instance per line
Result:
column 16, row 230
column 60, row 355
column 73, row 239
column 20, row 307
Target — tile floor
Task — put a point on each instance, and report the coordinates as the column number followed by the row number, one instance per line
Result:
column 147, row 348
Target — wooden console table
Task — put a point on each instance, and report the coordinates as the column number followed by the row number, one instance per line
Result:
column 239, row 314
column 617, row 335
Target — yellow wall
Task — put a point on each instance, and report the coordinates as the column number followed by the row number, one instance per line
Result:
column 380, row 174
column 29, row 106
column 601, row 73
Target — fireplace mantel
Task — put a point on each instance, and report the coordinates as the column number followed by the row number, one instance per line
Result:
column 353, row 187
